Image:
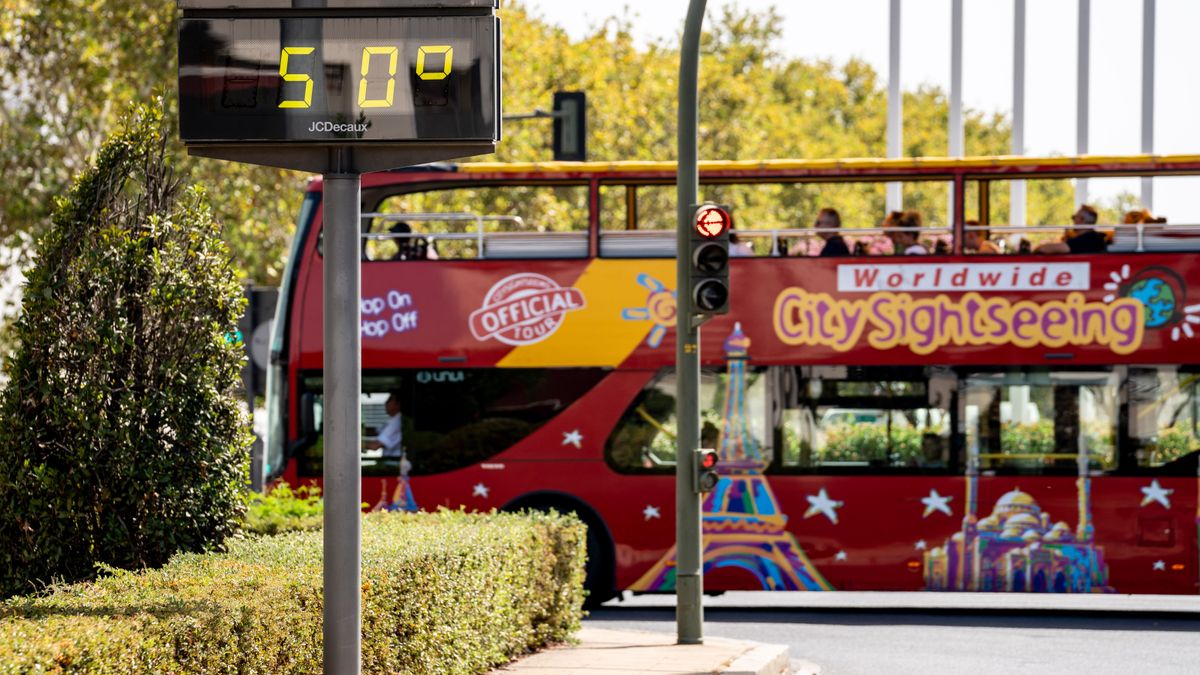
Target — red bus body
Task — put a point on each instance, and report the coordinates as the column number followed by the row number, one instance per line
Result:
column 840, row 526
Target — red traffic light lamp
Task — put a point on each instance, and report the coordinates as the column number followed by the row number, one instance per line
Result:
column 706, row 470
column 712, row 221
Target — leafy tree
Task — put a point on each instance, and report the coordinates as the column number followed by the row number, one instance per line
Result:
column 123, row 441
column 65, row 66
column 67, row 69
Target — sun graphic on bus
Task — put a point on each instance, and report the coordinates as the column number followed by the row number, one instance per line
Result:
column 1163, row 294
column 659, row 308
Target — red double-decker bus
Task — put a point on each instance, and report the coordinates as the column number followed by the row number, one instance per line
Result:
column 951, row 421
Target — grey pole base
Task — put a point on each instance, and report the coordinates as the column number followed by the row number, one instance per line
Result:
column 342, row 428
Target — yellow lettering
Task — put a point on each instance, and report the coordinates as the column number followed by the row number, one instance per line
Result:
column 925, row 325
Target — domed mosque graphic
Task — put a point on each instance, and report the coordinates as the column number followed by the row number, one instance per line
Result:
column 743, row 527
column 1017, row 549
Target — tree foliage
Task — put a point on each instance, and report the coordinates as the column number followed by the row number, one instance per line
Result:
column 122, row 440
column 68, row 70
column 755, row 103
column 67, row 67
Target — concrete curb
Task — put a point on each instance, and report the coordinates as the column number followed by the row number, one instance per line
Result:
column 609, row 652
column 762, row 659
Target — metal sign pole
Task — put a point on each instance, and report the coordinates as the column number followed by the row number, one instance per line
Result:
column 689, row 581
column 301, row 123
column 343, row 430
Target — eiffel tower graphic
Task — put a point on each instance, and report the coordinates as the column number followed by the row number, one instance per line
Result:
column 743, row 527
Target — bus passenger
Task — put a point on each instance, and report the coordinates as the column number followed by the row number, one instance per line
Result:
column 1136, row 217
column 1079, row 241
column 835, row 246
column 978, row 241
column 737, row 247
column 905, row 237
column 410, row 247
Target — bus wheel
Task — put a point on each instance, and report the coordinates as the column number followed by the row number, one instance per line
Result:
column 600, row 582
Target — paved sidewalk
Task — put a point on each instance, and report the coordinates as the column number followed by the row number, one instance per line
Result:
column 619, row 651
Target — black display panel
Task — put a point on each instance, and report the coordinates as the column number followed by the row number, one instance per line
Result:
column 339, row 80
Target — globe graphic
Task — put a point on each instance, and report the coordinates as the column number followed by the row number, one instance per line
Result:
column 1157, row 297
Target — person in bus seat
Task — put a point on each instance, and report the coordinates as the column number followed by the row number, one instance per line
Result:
column 905, row 237
column 835, row 245
column 978, row 241
column 1136, row 217
column 408, row 247
column 737, row 247
column 1079, row 241
column 1125, row 237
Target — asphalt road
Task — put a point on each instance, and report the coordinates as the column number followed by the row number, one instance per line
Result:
column 871, row 634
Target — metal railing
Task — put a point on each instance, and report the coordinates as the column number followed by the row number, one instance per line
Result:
column 767, row 242
column 477, row 236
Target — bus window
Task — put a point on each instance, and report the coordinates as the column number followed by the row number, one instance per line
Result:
column 452, row 418
column 1163, row 418
column 1035, row 421
column 644, row 440
column 831, row 422
column 453, row 223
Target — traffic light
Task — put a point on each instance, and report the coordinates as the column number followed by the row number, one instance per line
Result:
column 570, row 126
column 708, row 270
column 706, row 477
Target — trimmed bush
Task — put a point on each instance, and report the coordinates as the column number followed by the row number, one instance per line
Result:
column 442, row 593
column 122, row 440
column 285, row 509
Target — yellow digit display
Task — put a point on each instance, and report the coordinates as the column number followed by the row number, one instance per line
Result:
column 393, row 55
column 296, row 77
column 447, row 50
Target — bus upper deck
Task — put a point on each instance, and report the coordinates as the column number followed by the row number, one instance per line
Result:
column 561, row 210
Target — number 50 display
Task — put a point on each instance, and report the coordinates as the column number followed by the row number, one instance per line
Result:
column 369, row 54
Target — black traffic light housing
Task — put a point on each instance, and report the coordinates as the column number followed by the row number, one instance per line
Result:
column 708, row 260
column 705, row 473
column 570, row 126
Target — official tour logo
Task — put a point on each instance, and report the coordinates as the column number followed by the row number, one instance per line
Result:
column 523, row 309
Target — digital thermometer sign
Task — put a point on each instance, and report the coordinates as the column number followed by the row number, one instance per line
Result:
column 339, row 79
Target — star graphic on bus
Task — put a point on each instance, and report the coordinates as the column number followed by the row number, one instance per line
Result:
column 936, row 502
column 573, row 438
column 822, row 504
column 1156, row 493
column 480, row 490
column 920, row 545
column 651, row 512
column 1160, row 566
column 1162, row 293
column 659, row 308
column 841, row 555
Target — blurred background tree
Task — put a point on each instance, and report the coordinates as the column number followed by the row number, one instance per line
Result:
column 68, row 68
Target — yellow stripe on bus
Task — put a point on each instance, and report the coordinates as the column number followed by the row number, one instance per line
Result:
column 1149, row 162
column 599, row 334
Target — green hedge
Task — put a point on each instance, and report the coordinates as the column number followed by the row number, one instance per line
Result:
column 285, row 509
column 442, row 593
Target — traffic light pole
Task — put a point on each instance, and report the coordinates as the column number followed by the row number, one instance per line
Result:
column 689, row 582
